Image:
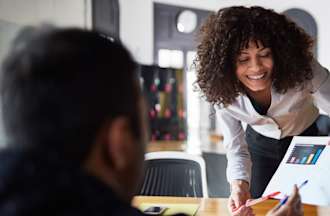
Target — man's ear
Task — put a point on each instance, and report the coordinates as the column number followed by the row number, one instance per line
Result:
column 119, row 143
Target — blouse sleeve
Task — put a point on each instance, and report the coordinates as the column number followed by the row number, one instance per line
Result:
column 321, row 87
column 238, row 156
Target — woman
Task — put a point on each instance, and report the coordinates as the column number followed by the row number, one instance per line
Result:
column 257, row 67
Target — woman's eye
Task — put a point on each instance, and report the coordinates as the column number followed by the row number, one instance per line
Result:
column 243, row 60
column 264, row 54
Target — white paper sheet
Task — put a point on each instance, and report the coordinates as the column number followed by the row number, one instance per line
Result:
column 307, row 158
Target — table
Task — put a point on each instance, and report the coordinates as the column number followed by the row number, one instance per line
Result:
column 166, row 146
column 218, row 206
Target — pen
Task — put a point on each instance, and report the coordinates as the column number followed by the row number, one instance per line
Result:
column 302, row 184
column 261, row 199
column 286, row 197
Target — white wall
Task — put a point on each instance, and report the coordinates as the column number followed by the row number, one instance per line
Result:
column 15, row 14
column 32, row 12
column 136, row 21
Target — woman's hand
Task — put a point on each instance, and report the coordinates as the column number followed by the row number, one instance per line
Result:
column 292, row 207
column 239, row 195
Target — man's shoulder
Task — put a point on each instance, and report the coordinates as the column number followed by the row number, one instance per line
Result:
column 36, row 185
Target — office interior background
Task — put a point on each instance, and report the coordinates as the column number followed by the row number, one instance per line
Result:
column 161, row 36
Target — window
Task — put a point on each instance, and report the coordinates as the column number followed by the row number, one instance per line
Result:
column 170, row 58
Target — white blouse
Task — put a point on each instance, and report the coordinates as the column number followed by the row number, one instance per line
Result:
column 288, row 115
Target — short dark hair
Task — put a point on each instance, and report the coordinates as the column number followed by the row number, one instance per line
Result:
column 60, row 86
column 226, row 32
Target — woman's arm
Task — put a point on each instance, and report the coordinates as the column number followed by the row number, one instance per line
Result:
column 239, row 162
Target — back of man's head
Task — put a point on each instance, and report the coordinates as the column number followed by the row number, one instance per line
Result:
column 60, row 86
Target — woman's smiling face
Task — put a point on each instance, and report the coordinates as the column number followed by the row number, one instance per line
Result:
column 254, row 66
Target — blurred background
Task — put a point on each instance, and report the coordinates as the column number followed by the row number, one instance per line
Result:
column 161, row 35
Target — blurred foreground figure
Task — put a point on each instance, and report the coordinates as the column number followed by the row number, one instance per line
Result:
column 72, row 113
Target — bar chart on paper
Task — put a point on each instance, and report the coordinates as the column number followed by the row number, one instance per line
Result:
column 307, row 158
column 305, row 154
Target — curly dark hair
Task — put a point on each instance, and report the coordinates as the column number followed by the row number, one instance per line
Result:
column 226, row 32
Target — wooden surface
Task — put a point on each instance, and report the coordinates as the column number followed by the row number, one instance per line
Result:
column 215, row 146
column 166, row 146
column 218, row 206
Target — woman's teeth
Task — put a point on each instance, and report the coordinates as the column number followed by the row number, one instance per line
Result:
column 256, row 77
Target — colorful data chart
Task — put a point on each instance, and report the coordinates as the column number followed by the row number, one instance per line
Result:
column 305, row 154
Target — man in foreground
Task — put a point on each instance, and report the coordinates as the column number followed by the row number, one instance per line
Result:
column 72, row 111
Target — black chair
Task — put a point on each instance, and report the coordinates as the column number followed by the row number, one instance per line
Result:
column 174, row 174
column 323, row 125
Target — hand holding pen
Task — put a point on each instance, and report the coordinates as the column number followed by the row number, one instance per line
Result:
column 286, row 197
column 292, row 206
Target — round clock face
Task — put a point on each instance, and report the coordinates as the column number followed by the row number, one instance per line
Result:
column 186, row 21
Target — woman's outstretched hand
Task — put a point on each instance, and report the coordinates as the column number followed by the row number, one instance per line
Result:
column 239, row 195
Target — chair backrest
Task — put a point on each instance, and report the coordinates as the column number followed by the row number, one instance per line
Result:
column 174, row 174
